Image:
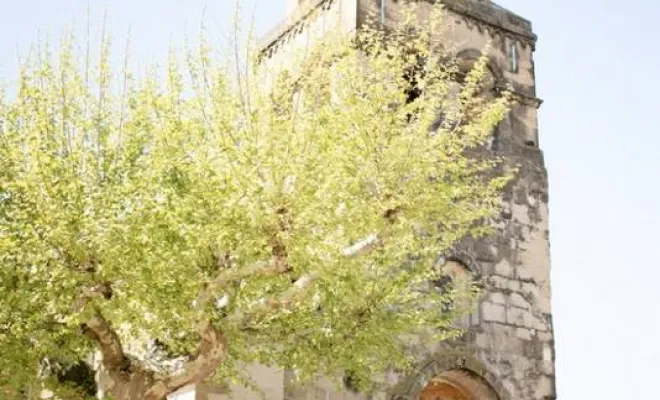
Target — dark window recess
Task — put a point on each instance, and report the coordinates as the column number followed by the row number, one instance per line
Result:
column 444, row 285
column 455, row 276
column 514, row 57
column 495, row 141
column 412, row 90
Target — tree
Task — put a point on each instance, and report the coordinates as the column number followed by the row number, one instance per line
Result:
column 187, row 226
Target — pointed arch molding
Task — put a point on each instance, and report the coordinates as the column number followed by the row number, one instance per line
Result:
column 474, row 54
column 524, row 94
column 452, row 360
column 464, row 258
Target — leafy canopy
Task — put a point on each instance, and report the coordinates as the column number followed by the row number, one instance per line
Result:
column 301, row 220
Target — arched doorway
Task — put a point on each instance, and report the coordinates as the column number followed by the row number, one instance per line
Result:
column 458, row 385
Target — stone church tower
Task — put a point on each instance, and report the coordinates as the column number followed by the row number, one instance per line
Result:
column 508, row 350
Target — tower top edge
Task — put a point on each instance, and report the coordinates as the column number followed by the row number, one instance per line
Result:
column 491, row 13
column 484, row 12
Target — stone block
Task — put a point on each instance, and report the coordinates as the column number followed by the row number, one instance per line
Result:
column 542, row 323
column 544, row 388
column 516, row 300
column 484, row 341
column 520, row 213
column 548, row 367
column 503, row 268
column 497, row 298
column 530, row 289
column 547, row 352
column 524, row 333
column 524, row 318
column 494, row 312
column 516, row 316
column 532, row 349
column 504, row 283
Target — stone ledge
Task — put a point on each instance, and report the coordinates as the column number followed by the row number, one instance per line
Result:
column 484, row 12
column 289, row 22
column 540, row 328
column 492, row 14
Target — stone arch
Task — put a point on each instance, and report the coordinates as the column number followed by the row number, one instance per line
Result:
column 453, row 373
column 464, row 258
column 458, row 384
column 458, row 271
column 494, row 84
column 468, row 56
column 454, row 275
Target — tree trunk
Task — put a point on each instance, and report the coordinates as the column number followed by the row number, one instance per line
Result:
column 131, row 382
column 131, row 386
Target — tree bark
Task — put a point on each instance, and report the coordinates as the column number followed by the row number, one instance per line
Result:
column 132, row 382
column 210, row 355
column 128, row 380
column 133, row 385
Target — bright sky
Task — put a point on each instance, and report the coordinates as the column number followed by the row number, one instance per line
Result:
column 597, row 66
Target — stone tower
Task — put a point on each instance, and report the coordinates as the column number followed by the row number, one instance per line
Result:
column 507, row 352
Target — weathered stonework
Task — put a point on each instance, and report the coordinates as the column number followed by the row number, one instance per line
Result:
column 507, row 352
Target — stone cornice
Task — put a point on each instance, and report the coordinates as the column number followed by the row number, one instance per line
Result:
column 289, row 23
column 526, row 100
column 493, row 16
column 483, row 13
column 520, row 95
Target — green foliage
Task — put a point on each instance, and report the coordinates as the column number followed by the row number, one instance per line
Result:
column 169, row 202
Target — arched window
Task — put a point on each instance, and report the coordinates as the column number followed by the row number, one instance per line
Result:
column 466, row 60
column 458, row 281
column 454, row 276
column 489, row 88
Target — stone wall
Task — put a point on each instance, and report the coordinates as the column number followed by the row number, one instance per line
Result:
column 288, row 41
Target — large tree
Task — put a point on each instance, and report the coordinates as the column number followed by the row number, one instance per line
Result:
column 184, row 227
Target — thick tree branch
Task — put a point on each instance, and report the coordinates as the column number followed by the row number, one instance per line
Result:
column 360, row 246
column 102, row 290
column 212, row 349
column 285, row 299
column 261, row 268
column 277, row 265
column 100, row 330
column 210, row 355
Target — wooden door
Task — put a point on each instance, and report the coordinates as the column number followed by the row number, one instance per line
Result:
column 442, row 391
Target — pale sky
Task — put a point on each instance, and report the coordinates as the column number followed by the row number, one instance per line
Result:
column 597, row 66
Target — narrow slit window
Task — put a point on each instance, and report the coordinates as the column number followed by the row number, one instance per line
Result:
column 382, row 11
column 514, row 58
